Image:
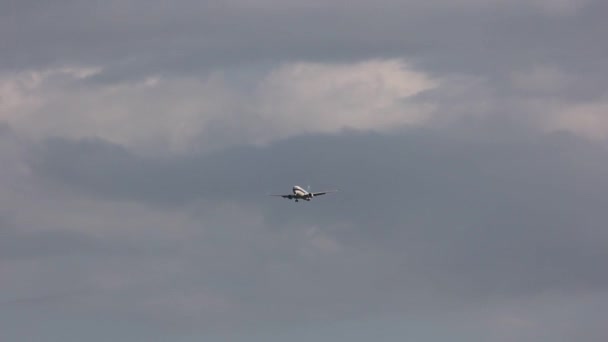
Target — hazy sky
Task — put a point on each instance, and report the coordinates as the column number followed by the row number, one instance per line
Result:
column 139, row 139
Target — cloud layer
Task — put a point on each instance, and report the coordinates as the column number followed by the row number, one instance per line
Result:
column 138, row 142
column 175, row 114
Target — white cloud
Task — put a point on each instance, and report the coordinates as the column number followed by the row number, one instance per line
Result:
column 154, row 113
column 311, row 97
column 181, row 114
column 548, row 113
column 175, row 114
column 587, row 119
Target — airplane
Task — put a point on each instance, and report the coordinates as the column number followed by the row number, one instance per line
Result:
column 300, row 194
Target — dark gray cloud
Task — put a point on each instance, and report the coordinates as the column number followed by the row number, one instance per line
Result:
column 18, row 245
column 135, row 38
column 467, row 217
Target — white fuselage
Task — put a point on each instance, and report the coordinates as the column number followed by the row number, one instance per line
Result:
column 300, row 193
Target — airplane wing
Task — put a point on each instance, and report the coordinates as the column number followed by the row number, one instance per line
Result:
column 315, row 194
column 284, row 196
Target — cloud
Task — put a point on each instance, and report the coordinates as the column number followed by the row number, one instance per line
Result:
column 586, row 119
column 58, row 103
column 176, row 114
column 450, row 221
column 16, row 244
column 135, row 39
column 156, row 231
column 317, row 98
column 139, row 140
column 541, row 79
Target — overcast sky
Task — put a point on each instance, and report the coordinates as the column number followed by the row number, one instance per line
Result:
column 139, row 139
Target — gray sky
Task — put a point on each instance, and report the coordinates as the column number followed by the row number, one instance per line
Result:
column 138, row 141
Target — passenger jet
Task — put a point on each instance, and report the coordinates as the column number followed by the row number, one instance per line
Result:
column 300, row 194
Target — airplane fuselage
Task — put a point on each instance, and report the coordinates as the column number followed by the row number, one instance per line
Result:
column 300, row 193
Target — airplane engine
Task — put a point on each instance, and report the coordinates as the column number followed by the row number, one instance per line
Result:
column 310, row 195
